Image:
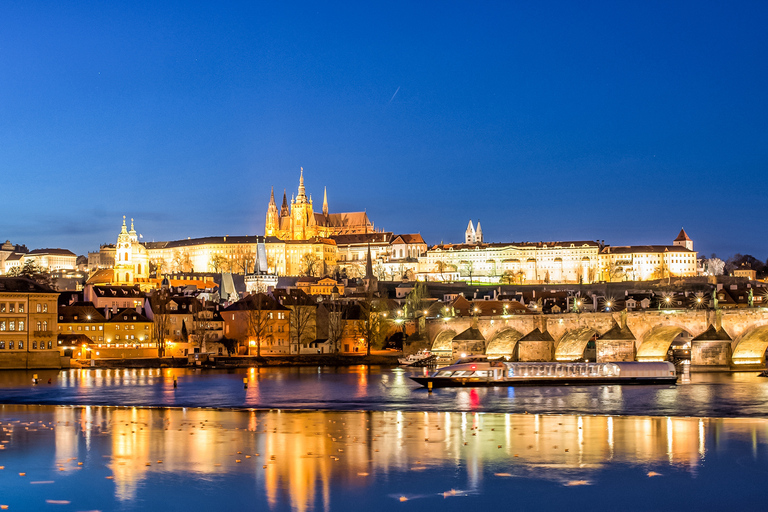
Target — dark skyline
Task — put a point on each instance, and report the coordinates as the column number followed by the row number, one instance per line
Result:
column 547, row 122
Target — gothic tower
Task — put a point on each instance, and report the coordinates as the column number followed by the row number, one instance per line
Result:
column 469, row 234
column 301, row 212
column 273, row 221
column 479, row 233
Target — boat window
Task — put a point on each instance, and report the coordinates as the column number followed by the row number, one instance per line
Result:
column 481, row 373
column 511, row 371
column 445, row 374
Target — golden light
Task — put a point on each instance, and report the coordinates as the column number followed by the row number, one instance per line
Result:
column 252, row 343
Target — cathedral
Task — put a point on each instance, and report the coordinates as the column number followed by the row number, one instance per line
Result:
column 301, row 222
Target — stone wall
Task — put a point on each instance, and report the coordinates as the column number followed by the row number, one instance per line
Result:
column 29, row 360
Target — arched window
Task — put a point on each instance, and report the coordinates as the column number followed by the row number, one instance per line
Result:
column 39, row 308
column 126, row 277
column 45, row 326
column 39, row 326
column 139, row 269
column 126, row 256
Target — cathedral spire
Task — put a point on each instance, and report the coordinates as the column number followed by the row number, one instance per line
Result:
column 124, row 229
column 302, row 192
column 325, row 201
column 284, row 209
column 272, row 197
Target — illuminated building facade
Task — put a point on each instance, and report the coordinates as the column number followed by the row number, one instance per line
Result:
column 27, row 325
column 529, row 262
column 556, row 262
column 258, row 319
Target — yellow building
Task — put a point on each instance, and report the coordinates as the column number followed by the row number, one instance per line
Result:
column 301, row 222
column 27, row 325
column 89, row 334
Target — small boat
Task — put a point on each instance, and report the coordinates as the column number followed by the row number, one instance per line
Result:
column 475, row 371
column 419, row 358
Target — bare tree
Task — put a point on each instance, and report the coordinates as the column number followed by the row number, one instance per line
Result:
column 468, row 268
column 336, row 312
column 161, row 318
column 373, row 323
column 311, row 265
column 219, row 263
column 158, row 266
column 258, row 318
column 243, row 261
column 301, row 321
column 181, row 261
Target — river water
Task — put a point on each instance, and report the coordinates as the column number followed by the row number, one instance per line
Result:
column 380, row 389
column 307, row 439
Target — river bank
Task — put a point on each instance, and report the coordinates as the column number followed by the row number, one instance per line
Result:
column 332, row 360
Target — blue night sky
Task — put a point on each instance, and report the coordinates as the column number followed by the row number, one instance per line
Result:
column 620, row 121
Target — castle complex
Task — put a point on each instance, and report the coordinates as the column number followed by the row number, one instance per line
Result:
column 300, row 241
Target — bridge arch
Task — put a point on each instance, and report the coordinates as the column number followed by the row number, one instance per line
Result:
column 573, row 343
column 444, row 341
column 751, row 348
column 503, row 343
column 657, row 341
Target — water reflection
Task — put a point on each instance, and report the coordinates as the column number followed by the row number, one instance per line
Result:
column 311, row 460
column 371, row 388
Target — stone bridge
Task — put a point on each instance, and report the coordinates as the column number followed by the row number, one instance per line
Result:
column 719, row 339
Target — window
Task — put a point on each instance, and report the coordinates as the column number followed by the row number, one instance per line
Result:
column 11, row 307
column 2, row 307
column 45, row 326
column 2, row 345
column 45, row 308
column 11, row 325
column 21, row 345
column 39, row 326
column 21, row 308
column 10, row 345
column 34, row 345
column 50, row 345
column 2, row 325
column 117, row 337
column 39, row 308
column 21, row 325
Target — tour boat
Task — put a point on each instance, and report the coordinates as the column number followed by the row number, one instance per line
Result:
column 475, row 371
column 422, row 356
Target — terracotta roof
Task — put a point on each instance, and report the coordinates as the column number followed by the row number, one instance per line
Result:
column 682, row 237
column 414, row 238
